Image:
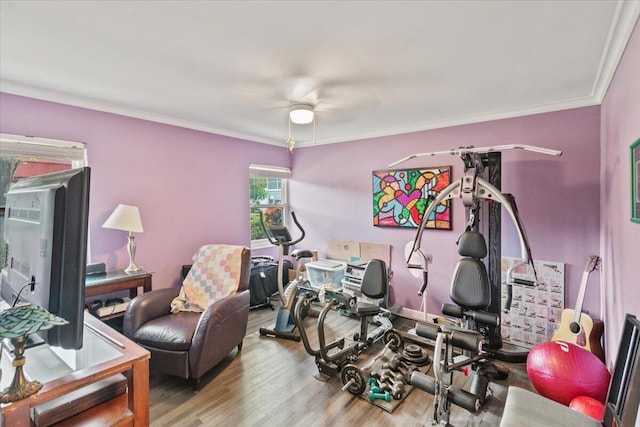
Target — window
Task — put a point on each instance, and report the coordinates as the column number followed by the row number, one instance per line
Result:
column 22, row 156
column 267, row 198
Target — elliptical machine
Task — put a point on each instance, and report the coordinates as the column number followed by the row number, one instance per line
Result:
column 279, row 235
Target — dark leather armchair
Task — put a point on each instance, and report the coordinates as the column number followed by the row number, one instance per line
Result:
column 188, row 344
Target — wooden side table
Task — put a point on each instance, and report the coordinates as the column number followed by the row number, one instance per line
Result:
column 114, row 281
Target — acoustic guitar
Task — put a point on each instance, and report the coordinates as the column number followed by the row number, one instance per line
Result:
column 577, row 327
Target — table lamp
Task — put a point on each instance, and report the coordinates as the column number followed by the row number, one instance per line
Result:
column 17, row 323
column 126, row 218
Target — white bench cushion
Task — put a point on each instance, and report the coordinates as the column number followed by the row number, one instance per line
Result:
column 527, row 409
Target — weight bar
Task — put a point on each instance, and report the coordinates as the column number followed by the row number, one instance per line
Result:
column 484, row 317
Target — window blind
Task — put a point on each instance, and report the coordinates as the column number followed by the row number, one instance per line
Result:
column 41, row 149
column 269, row 171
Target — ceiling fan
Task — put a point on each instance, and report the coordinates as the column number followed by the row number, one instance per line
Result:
column 306, row 99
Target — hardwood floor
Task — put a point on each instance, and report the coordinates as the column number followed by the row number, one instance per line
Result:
column 271, row 383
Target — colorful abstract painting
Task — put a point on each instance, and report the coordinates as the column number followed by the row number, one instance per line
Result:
column 400, row 197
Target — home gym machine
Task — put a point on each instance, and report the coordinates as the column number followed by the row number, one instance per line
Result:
column 473, row 189
column 471, row 292
column 279, row 235
column 375, row 283
column 479, row 338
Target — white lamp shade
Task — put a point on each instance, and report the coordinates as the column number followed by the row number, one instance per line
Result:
column 126, row 218
column 301, row 114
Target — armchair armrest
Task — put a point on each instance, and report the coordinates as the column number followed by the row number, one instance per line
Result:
column 146, row 307
column 221, row 327
column 225, row 310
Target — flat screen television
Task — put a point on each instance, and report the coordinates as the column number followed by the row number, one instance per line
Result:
column 45, row 232
column 623, row 400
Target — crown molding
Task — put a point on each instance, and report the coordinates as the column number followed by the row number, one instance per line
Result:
column 587, row 101
column 622, row 24
column 28, row 91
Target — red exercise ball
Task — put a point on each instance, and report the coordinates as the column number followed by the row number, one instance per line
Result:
column 562, row 371
column 588, row 406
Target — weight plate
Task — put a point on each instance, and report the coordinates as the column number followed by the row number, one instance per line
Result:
column 359, row 383
column 395, row 339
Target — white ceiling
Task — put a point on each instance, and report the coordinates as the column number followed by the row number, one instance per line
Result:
column 372, row 68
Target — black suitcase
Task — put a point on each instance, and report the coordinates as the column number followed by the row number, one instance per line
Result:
column 263, row 283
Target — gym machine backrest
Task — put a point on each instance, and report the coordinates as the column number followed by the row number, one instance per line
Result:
column 375, row 284
column 470, row 287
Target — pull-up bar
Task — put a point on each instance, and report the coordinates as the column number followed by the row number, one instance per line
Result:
column 467, row 150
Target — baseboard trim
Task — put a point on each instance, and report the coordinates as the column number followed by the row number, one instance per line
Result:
column 416, row 315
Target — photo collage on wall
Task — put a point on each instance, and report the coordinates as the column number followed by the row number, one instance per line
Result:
column 535, row 310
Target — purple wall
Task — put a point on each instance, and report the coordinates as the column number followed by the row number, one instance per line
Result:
column 191, row 187
column 620, row 238
column 556, row 196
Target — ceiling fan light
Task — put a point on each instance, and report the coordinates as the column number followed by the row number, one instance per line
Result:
column 301, row 114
